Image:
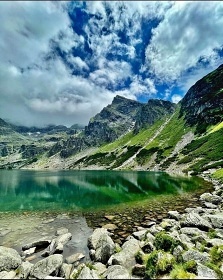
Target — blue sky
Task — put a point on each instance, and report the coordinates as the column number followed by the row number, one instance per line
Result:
column 62, row 62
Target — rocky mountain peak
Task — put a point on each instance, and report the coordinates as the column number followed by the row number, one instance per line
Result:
column 203, row 103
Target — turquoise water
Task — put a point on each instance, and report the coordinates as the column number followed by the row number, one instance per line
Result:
column 79, row 190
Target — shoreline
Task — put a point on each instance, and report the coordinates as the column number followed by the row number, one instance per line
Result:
column 101, row 219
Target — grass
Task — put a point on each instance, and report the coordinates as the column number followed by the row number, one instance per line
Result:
column 218, row 175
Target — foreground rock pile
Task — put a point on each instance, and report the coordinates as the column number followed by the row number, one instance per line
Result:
column 188, row 245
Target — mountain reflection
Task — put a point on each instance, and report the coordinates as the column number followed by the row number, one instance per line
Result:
column 35, row 190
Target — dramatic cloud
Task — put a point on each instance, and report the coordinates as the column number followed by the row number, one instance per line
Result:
column 62, row 62
column 190, row 31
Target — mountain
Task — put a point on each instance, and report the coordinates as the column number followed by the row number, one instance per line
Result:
column 203, row 103
column 115, row 120
column 159, row 135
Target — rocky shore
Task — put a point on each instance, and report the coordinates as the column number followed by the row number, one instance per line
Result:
column 182, row 245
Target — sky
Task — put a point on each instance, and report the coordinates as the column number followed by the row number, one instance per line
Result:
column 61, row 62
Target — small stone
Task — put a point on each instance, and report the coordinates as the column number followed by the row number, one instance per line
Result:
column 110, row 218
column 110, row 226
column 48, row 221
column 29, row 252
column 42, row 243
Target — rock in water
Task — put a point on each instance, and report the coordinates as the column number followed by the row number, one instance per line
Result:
column 9, row 258
column 47, row 266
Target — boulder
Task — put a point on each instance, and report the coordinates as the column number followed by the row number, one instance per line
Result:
column 104, row 249
column 216, row 220
column 24, row 270
column 140, row 234
column 193, row 231
column 86, row 273
column 211, row 198
column 215, row 242
column 74, row 258
column 196, row 255
column 117, row 272
column 195, row 220
column 204, row 272
column 95, row 237
column 65, row 270
column 174, row 215
column 57, row 244
column 48, row 266
column 101, row 268
column 9, row 259
column 126, row 257
column 7, row 274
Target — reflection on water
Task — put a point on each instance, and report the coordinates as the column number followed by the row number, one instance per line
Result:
column 76, row 190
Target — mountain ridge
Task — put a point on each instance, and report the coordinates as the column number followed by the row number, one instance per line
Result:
column 157, row 135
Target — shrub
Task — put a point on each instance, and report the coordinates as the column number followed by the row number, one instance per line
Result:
column 165, row 242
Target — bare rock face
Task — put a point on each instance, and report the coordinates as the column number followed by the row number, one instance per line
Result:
column 9, row 259
column 48, row 266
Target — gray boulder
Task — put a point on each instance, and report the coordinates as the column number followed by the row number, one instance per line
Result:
column 74, row 258
column 95, row 237
column 9, row 259
column 140, row 234
column 195, row 220
column 48, row 266
column 192, row 231
column 104, row 249
column 65, row 270
column 216, row 220
column 211, row 198
column 195, row 255
column 24, row 270
column 117, row 272
column 126, row 257
column 86, row 273
column 174, row 215
column 7, row 274
column 204, row 272
column 101, row 268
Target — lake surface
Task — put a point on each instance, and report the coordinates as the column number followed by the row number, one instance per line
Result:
column 84, row 190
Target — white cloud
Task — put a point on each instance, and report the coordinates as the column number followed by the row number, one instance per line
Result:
column 77, row 61
column 189, row 31
column 176, row 98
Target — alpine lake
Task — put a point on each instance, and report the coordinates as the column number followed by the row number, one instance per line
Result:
column 33, row 204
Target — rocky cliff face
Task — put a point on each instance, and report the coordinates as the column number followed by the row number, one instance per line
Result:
column 113, row 121
column 203, row 103
column 154, row 110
